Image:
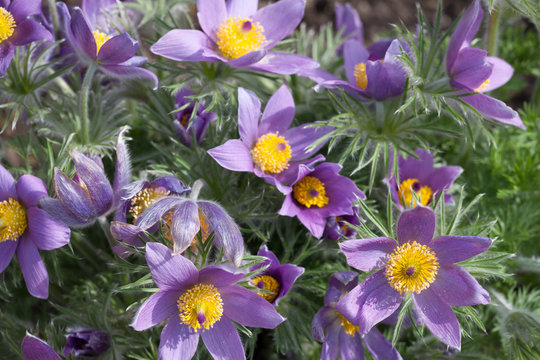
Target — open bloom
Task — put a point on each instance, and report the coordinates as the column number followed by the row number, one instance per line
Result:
column 87, row 343
column 238, row 34
column 418, row 176
column 268, row 148
column 471, row 70
column 34, row 348
column 342, row 336
column 25, row 228
column 417, row 265
column 319, row 193
column 199, row 304
column 338, row 226
column 276, row 280
column 190, row 126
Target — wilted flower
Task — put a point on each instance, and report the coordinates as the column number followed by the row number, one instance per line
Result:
column 268, row 148
column 34, row 348
column 276, row 280
column 419, row 266
column 472, row 70
column 186, row 126
column 318, row 193
column 342, row 336
column 87, row 343
column 25, row 228
column 338, row 226
column 199, row 304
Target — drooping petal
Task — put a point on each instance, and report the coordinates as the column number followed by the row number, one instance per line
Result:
column 185, row 225
column 7, row 185
column 322, row 319
column 73, row 197
column 458, row 288
column 367, row 254
column 28, row 31
column 501, row 74
column 184, row 45
column 7, row 249
column 169, row 272
column 249, row 110
column 118, row 49
column 494, row 109
column 242, row 8
column 285, row 64
column 34, row 348
column 30, row 189
column 233, row 155
column 301, row 137
column 178, row 341
column 218, row 277
column 155, row 309
column 122, row 169
column 223, row 342
column 277, row 26
column 278, row 113
column 153, row 214
column 350, row 347
column 416, row 224
column 33, row 268
column 55, row 208
column 7, row 50
column 453, row 248
column 211, row 14
column 379, row 347
column 46, row 232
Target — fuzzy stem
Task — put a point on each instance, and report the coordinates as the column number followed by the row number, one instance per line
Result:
column 493, row 32
column 85, row 89
column 196, row 189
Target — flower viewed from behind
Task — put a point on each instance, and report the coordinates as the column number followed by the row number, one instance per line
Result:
column 25, row 228
column 238, row 34
column 190, row 126
column 337, row 333
column 418, row 176
column 268, row 148
column 471, row 70
column 87, row 343
column 34, row 348
column 199, row 304
column 419, row 266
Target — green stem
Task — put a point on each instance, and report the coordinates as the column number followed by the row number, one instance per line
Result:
column 83, row 104
column 54, row 13
column 493, row 32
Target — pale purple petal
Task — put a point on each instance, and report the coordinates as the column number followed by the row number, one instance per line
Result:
column 368, row 254
column 185, row 225
column 34, row 348
column 501, row 74
column 279, row 19
column 242, row 8
column 122, row 170
column 458, row 288
column 33, row 268
column 470, row 68
column 218, row 277
column 30, row 189
column 184, row 45
column 379, row 347
column 248, row 59
column 152, row 215
column 301, row 137
column 350, row 347
column 233, row 155
column 354, row 53
column 442, row 178
column 285, row 64
column 330, row 348
column 287, row 274
column 7, row 50
column 211, row 14
column 20, row 9
column 60, row 213
column 118, row 49
column 131, row 73
column 178, row 341
column 28, row 31
column 249, row 110
column 155, row 309
column 223, row 342
column 416, row 225
column 73, row 197
column 494, row 109
column 464, row 32
column 452, row 248
column 313, row 221
column 46, row 232
column 7, row 249
column 7, row 185
column 169, row 272
column 278, row 113
column 340, row 283
column 322, row 319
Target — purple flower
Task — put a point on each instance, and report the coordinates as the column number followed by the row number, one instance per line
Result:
column 418, row 176
column 89, row 194
column 319, row 193
column 187, row 127
column 34, row 348
column 268, row 148
column 17, row 30
column 419, row 266
column 342, row 336
column 27, row 228
column 276, row 279
column 338, row 226
column 87, row 343
column 348, row 20
column 238, row 34
column 471, row 70
column 199, row 304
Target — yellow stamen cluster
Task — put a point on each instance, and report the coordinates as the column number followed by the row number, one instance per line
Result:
column 145, row 198
column 272, row 153
column 200, row 307
column 237, row 37
column 7, row 24
column 482, row 86
column 269, row 284
column 184, row 119
column 101, row 38
column 411, row 268
column 349, row 328
column 13, row 221
column 310, row 191
column 410, row 186
column 360, row 75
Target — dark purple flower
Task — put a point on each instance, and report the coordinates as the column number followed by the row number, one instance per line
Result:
column 471, row 70
column 418, row 265
column 34, row 348
column 342, row 336
column 238, row 34
column 87, row 343
column 17, row 30
column 419, row 176
column 27, row 228
column 348, row 20
column 318, row 193
column 276, row 279
column 199, row 304
column 338, row 226
column 186, row 127
column 268, row 148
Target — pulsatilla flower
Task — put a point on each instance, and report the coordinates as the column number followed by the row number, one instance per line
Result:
column 87, row 343
column 276, row 280
column 239, row 35
column 190, row 126
column 419, row 266
column 268, row 148
column 17, row 30
column 319, row 193
column 341, row 336
column 25, row 228
column 348, row 20
column 473, row 71
column 34, row 348
column 338, row 226
column 420, row 180
column 199, row 304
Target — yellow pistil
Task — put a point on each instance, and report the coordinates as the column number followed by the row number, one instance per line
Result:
column 272, row 153
column 237, row 37
column 411, row 268
column 406, row 189
column 13, row 221
column 269, row 284
column 349, row 328
column 101, row 38
column 200, row 307
column 7, row 24
column 360, row 75
column 310, row 191
column 145, row 198
column 482, row 86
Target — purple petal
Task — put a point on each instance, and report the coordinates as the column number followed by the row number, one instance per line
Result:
column 211, row 14
column 301, row 137
column 118, row 49
column 83, row 38
column 340, row 283
column 288, row 274
column 28, row 31
column 379, row 347
column 354, row 53
column 471, row 68
column 242, row 8
column 494, row 109
column 368, row 254
column 458, row 288
column 223, row 342
column 413, row 168
column 464, row 32
column 46, row 232
column 131, row 73
column 218, row 276
column 57, row 210
column 452, row 248
column 313, row 220
column 278, row 113
column 7, row 50
column 34, row 348
column 30, row 189
column 323, row 318
column 350, row 347
column 7, row 185
column 438, row 317
column 184, row 45
column 7, row 249
column 153, row 214
column 248, row 59
column 249, row 110
column 348, row 19
column 501, row 74
column 122, row 170
column 21, row 9
column 127, row 234
column 169, row 272
column 285, row 64
column 155, row 309
column 233, row 155
column 330, row 348
column 442, row 178
column 277, row 26
column 178, row 341
column 33, row 268
column 417, row 225
column 185, row 225
column 272, row 262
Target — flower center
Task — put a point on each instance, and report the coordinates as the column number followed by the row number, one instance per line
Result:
column 360, row 75
column 310, row 191
column 7, row 24
column 410, row 186
column 272, row 153
column 482, row 86
column 269, row 284
column 200, row 307
column 13, row 221
column 144, row 199
column 101, row 38
column 237, row 37
column 349, row 328
column 184, row 120
column 411, row 268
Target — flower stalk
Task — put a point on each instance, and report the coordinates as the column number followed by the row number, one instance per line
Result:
column 83, row 105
